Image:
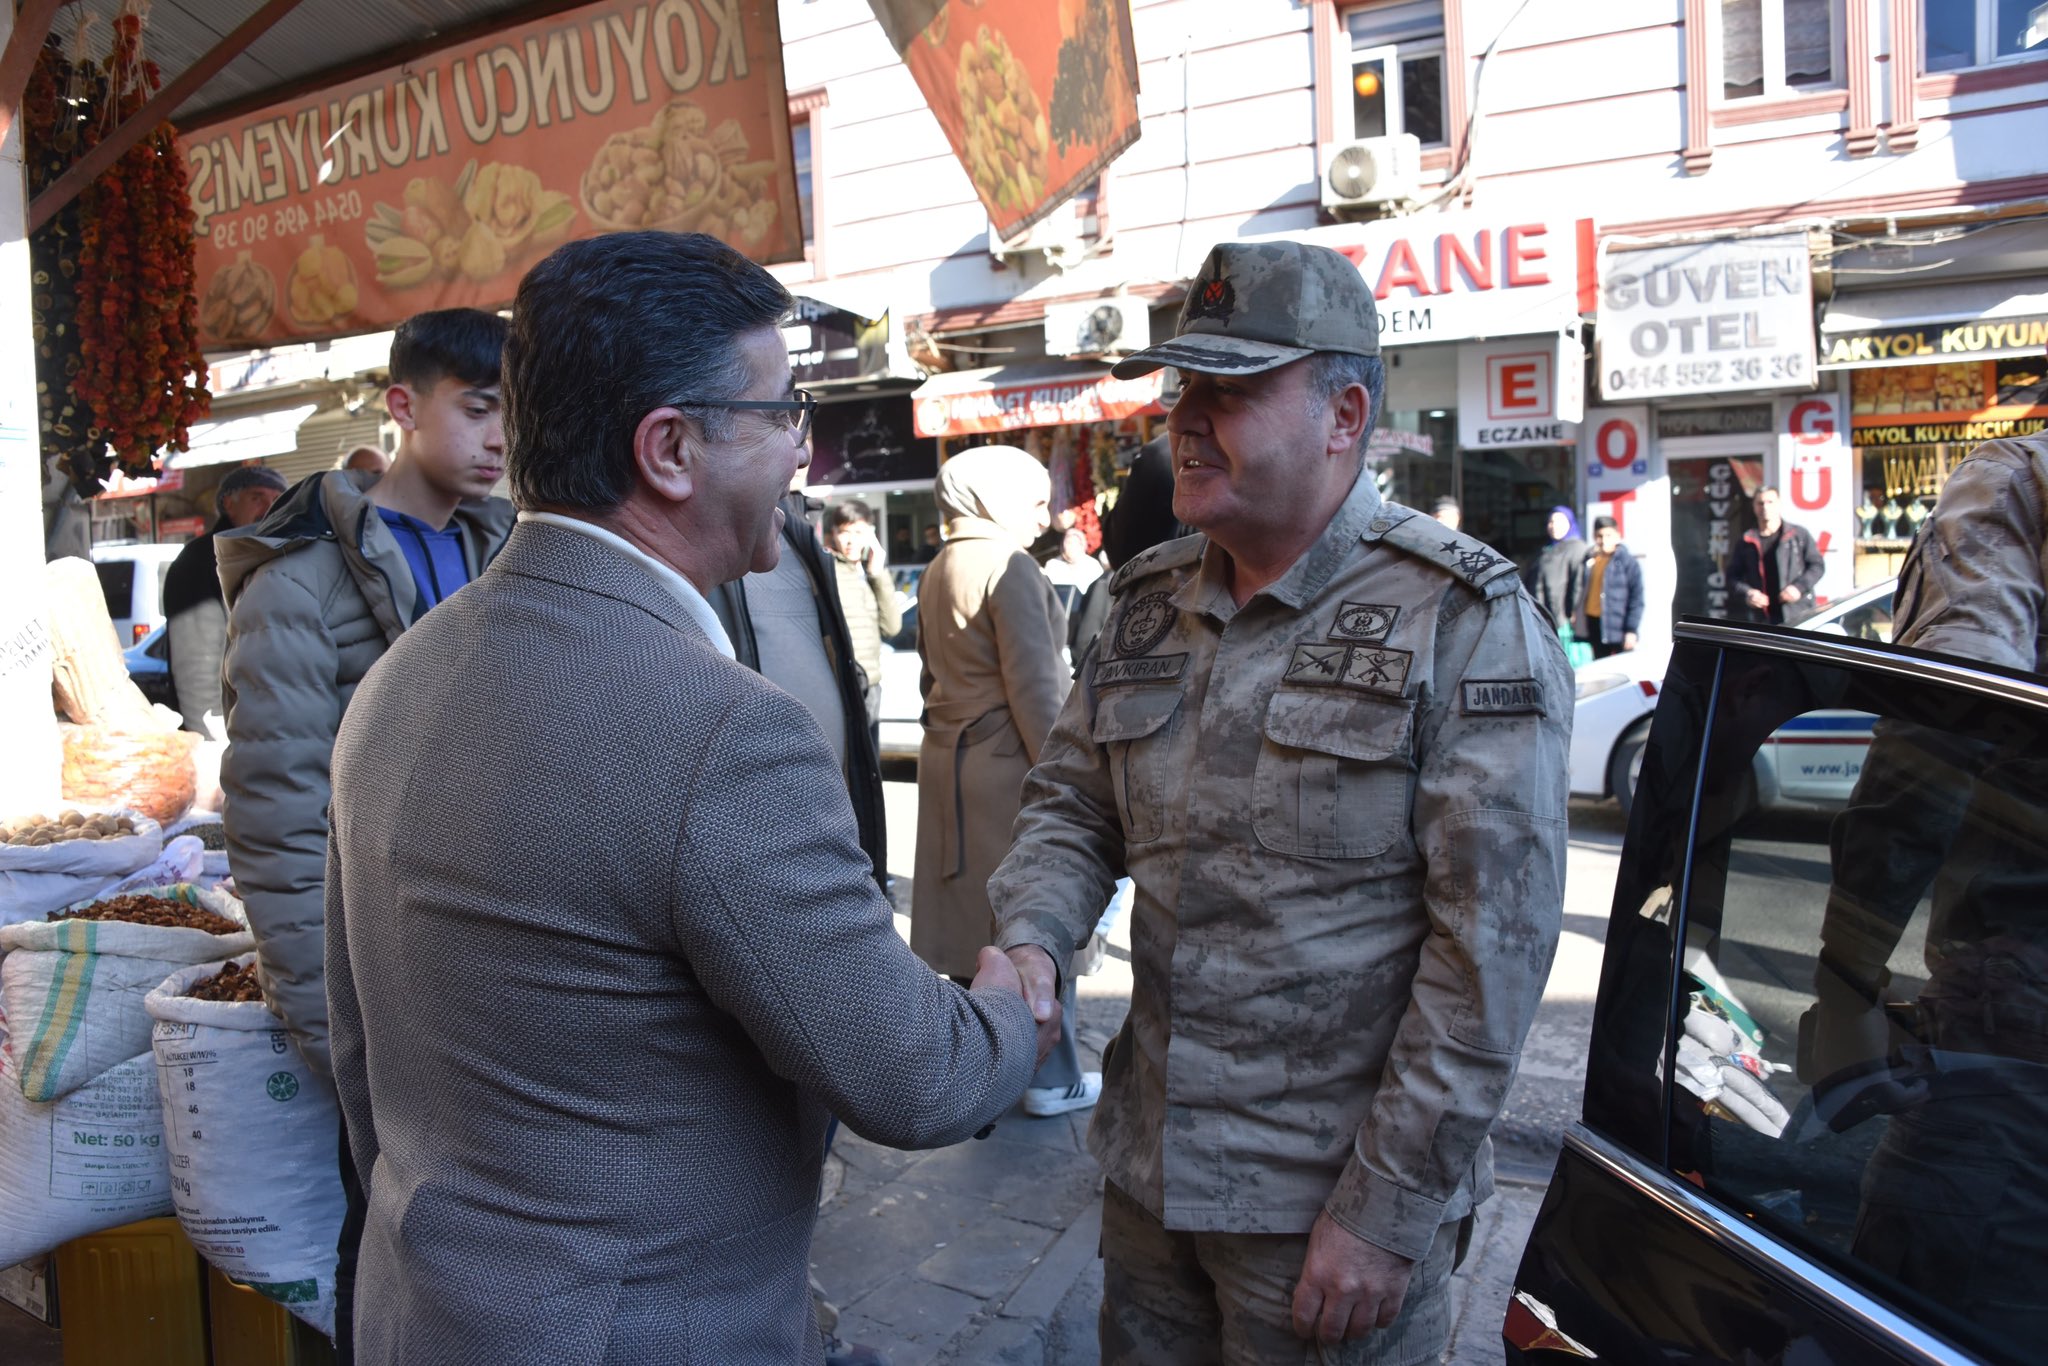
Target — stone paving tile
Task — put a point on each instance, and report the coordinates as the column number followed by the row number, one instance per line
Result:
column 918, row 1308
column 1035, row 1184
column 900, row 1349
column 987, row 1257
column 862, row 1243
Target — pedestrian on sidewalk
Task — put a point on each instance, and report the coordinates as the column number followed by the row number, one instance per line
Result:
column 1776, row 566
column 989, row 632
column 1610, row 607
column 606, row 952
column 1327, row 737
column 195, row 614
column 867, row 598
column 317, row 592
column 1552, row 577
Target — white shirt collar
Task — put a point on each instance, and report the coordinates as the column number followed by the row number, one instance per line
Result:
column 685, row 592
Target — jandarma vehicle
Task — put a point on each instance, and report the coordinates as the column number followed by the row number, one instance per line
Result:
column 1816, row 1104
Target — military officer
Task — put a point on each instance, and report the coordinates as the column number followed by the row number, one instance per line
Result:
column 1327, row 739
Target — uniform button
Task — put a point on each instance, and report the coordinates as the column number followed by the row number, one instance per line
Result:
column 1380, row 524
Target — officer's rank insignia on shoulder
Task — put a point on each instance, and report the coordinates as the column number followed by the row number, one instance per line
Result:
column 1479, row 565
column 1143, row 669
column 1502, row 696
column 1166, row 555
column 1144, row 623
column 1363, row 621
column 1374, row 668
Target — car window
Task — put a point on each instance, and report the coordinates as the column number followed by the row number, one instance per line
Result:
column 163, row 571
column 117, row 582
column 1861, row 1063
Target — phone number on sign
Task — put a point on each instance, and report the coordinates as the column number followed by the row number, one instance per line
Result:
column 293, row 220
column 1706, row 374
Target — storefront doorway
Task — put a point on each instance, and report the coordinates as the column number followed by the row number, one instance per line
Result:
column 1710, row 510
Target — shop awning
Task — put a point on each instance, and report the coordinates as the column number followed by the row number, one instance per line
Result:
column 1009, row 398
column 1933, row 325
column 243, row 438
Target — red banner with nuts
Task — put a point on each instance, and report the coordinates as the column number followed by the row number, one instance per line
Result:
column 1036, row 96
column 440, row 182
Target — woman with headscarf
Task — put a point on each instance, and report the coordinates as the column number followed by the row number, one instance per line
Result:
column 989, row 631
column 1553, row 576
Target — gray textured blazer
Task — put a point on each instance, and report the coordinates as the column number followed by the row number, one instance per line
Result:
column 602, row 953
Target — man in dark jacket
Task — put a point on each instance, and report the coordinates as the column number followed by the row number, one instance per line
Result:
column 1776, row 566
column 1553, row 576
column 1610, row 608
column 195, row 615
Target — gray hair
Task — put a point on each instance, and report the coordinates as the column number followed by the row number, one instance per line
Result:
column 1330, row 373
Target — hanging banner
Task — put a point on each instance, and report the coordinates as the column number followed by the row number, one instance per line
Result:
column 1035, row 97
column 438, row 183
column 1011, row 398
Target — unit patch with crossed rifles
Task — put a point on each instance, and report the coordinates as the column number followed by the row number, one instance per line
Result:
column 1363, row 668
column 1363, row 621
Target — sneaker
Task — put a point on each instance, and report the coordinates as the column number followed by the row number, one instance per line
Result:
column 1057, row 1100
column 839, row 1353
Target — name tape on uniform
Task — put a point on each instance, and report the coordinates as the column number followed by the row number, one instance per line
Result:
column 1502, row 696
column 1144, row 669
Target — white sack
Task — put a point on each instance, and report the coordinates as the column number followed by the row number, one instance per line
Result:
column 84, row 1164
column 37, row 880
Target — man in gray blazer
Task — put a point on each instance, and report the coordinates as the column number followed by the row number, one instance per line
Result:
column 603, row 950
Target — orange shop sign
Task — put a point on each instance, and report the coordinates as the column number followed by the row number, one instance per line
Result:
column 440, row 182
column 1009, row 399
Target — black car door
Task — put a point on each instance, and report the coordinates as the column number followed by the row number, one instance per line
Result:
column 1816, row 1105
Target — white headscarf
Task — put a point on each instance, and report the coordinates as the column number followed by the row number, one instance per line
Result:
column 998, row 484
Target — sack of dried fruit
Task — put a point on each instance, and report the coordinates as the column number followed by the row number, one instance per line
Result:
column 91, row 1161
column 149, row 770
column 72, row 986
column 51, row 861
column 252, row 1135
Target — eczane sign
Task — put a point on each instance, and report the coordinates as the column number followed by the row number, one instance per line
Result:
column 1710, row 317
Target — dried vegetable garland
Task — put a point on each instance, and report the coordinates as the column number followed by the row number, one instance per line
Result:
column 118, row 358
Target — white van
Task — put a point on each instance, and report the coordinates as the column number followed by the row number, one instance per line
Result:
column 132, row 577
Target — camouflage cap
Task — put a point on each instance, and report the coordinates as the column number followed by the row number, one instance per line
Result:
column 1257, row 305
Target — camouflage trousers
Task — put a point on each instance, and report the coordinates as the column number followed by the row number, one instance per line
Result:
column 1226, row 1299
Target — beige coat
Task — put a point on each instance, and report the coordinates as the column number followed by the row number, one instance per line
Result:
column 990, row 631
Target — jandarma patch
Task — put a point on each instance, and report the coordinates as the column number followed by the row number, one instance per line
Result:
column 1374, row 668
column 1363, row 621
column 1502, row 696
column 1144, row 669
column 1144, row 624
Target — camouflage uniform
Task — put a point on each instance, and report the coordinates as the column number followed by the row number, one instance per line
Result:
column 1343, row 806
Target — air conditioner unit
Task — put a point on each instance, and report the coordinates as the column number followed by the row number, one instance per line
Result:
column 1058, row 236
column 1098, row 327
column 1373, row 176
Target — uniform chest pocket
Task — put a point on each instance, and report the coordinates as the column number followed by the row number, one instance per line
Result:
column 1134, row 726
column 1335, row 775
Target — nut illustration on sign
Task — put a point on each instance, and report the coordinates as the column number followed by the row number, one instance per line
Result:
column 323, row 285
column 240, row 301
column 1002, row 124
column 679, row 173
column 489, row 218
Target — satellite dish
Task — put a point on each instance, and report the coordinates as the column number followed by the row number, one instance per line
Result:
column 1354, row 171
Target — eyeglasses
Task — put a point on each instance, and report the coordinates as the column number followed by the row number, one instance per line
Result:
column 795, row 411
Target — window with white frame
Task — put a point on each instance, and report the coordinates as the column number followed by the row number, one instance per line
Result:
column 1960, row 33
column 800, row 150
column 1397, row 71
column 1779, row 47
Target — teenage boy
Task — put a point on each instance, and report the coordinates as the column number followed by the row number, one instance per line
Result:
column 316, row 592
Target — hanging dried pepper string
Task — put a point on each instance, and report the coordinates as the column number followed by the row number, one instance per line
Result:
column 143, row 374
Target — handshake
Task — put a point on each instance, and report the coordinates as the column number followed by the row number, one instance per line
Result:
column 1029, row 972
